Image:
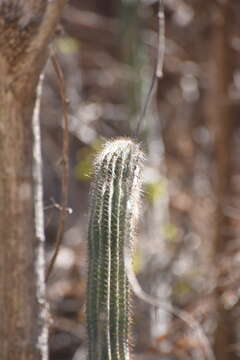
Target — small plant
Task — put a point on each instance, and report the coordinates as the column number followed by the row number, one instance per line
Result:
column 113, row 213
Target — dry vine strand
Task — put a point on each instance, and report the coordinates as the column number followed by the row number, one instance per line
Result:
column 183, row 315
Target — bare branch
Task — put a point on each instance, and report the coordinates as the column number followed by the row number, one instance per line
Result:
column 65, row 176
column 150, row 94
column 158, row 71
column 52, row 14
column 39, row 222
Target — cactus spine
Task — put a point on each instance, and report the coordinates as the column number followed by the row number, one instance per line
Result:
column 114, row 210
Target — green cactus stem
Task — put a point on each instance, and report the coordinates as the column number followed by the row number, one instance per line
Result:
column 114, row 210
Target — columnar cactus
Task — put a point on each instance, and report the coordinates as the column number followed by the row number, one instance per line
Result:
column 114, row 210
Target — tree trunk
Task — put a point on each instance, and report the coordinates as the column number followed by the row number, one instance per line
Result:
column 26, row 28
column 221, row 128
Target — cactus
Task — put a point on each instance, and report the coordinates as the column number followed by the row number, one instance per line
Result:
column 114, row 208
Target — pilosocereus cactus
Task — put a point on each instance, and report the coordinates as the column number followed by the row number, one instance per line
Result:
column 114, row 211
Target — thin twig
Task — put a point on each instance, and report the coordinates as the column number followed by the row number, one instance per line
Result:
column 154, row 301
column 65, row 164
column 161, row 39
column 158, row 71
column 55, row 205
column 146, row 103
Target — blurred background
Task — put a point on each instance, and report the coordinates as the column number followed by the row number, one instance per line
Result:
column 188, row 248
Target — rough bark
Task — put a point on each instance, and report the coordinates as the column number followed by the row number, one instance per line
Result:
column 221, row 127
column 26, row 28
